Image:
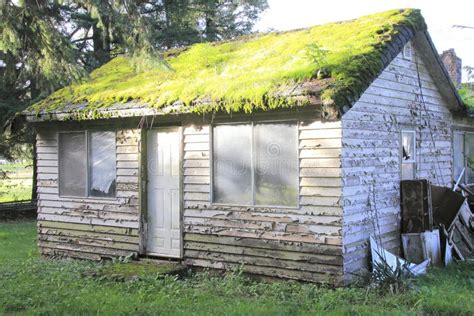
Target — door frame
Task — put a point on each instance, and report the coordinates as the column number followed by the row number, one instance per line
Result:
column 143, row 183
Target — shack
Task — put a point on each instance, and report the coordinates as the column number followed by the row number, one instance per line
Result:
column 278, row 152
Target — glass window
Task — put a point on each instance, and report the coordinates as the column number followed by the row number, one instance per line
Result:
column 408, row 161
column 102, row 164
column 463, row 156
column 87, row 164
column 276, row 161
column 458, row 157
column 256, row 164
column 469, row 152
column 232, row 164
column 72, row 164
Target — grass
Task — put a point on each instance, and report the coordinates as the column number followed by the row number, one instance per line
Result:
column 249, row 73
column 18, row 184
column 34, row 285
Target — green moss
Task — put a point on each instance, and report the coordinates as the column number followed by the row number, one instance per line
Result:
column 247, row 73
column 467, row 95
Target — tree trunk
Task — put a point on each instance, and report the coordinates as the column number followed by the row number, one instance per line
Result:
column 101, row 41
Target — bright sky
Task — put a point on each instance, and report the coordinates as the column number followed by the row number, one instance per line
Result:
column 439, row 15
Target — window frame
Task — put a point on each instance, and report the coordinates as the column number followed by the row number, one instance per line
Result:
column 296, row 122
column 413, row 161
column 407, row 51
column 87, row 195
column 464, row 156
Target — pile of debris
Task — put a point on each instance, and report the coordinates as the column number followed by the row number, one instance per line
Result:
column 437, row 226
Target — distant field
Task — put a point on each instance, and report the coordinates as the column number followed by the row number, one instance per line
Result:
column 18, row 184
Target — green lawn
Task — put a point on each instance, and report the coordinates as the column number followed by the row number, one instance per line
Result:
column 32, row 285
column 18, row 185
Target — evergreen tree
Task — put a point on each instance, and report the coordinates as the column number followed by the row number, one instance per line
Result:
column 46, row 44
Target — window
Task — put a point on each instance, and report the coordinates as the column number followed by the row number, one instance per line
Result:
column 87, row 164
column 256, row 164
column 407, row 51
column 463, row 151
column 408, row 152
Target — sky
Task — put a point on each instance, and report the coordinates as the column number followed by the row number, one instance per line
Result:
column 439, row 15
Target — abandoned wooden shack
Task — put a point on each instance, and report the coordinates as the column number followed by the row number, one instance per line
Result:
column 282, row 152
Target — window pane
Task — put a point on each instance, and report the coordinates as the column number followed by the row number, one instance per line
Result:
column 408, row 171
column 72, row 164
column 276, row 158
column 458, row 154
column 469, row 158
column 408, row 149
column 232, row 164
column 102, row 164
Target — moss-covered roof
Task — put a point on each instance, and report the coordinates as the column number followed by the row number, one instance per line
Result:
column 467, row 95
column 253, row 72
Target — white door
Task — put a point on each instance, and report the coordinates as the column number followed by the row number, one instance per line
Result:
column 164, row 220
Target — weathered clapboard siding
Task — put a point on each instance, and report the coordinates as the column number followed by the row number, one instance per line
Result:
column 89, row 228
column 299, row 243
column 371, row 154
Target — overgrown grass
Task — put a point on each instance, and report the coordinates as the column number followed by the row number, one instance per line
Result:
column 33, row 285
column 18, row 184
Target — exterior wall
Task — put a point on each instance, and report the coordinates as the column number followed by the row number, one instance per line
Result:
column 89, row 228
column 302, row 243
column 371, row 154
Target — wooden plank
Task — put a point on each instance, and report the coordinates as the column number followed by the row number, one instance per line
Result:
column 127, row 149
column 127, row 165
column 200, row 188
column 263, row 261
column 266, row 253
column 204, row 197
column 319, row 125
column 196, row 138
column 106, row 252
column 261, row 243
column 89, row 234
column 289, row 217
column 88, row 241
column 196, row 146
column 91, row 221
column 127, row 157
column 320, row 153
column 88, row 228
column 271, row 272
column 196, row 163
column 320, row 143
column 318, row 134
column 196, row 171
column 320, row 182
column 321, row 172
column 257, row 233
column 197, row 180
column 320, row 163
column 70, row 254
column 321, row 191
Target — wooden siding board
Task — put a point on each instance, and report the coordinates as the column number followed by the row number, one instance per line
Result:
column 370, row 154
column 265, row 238
column 88, row 228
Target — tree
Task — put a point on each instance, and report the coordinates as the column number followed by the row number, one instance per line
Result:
column 36, row 58
column 102, row 29
column 46, row 44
